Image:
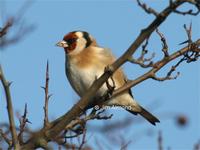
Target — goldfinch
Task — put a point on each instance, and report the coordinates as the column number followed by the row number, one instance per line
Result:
column 86, row 61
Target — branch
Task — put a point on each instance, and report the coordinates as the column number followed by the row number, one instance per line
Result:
column 196, row 3
column 93, row 115
column 148, row 10
column 189, row 34
column 6, row 86
column 23, row 121
column 59, row 124
column 164, row 43
column 83, row 139
column 78, row 126
column 142, row 60
column 156, row 68
column 6, row 139
column 47, row 97
column 4, row 30
column 168, row 76
column 21, row 29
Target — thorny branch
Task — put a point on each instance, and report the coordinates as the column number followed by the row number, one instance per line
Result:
column 6, row 86
column 54, row 129
column 157, row 67
column 23, row 120
column 59, row 124
column 78, row 126
column 47, row 97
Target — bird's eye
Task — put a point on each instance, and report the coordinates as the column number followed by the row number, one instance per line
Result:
column 70, row 41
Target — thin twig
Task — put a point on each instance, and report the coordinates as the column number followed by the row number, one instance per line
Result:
column 164, row 43
column 93, row 115
column 58, row 125
column 4, row 30
column 47, row 96
column 168, row 76
column 148, row 10
column 23, row 122
column 18, row 25
column 195, row 3
column 189, row 32
column 83, row 139
column 6, row 86
column 156, row 68
column 142, row 60
column 6, row 139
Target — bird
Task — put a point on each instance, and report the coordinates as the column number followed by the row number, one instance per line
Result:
column 85, row 61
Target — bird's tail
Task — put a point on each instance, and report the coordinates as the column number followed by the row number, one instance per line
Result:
column 147, row 115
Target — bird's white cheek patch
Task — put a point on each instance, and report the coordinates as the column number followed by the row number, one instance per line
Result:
column 79, row 34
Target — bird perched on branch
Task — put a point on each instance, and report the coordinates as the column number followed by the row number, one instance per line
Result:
column 86, row 61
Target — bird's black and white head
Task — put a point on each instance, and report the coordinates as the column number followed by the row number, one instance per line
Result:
column 76, row 41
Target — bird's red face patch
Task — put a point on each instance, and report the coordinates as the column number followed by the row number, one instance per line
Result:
column 71, row 39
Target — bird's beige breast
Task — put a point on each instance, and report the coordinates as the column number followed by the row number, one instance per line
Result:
column 84, row 68
column 80, row 78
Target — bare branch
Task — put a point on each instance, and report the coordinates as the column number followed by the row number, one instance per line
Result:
column 93, row 115
column 147, row 9
column 4, row 30
column 189, row 34
column 195, row 3
column 4, row 136
column 57, row 126
column 6, row 86
column 47, row 96
column 15, row 23
column 193, row 53
column 83, row 139
column 142, row 60
column 189, row 12
column 164, row 43
column 168, row 76
column 157, row 67
column 23, row 122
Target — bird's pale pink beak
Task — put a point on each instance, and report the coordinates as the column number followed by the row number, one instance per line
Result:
column 62, row 44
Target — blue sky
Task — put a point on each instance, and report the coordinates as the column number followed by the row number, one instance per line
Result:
column 114, row 24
